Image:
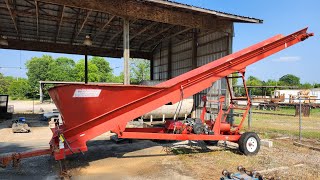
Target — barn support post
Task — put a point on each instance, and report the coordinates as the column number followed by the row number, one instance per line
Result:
column 126, row 52
column 151, row 68
column 194, row 48
column 86, row 68
column 194, row 66
column 230, row 44
column 169, row 59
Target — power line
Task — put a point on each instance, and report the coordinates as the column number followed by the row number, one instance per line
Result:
column 12, row 67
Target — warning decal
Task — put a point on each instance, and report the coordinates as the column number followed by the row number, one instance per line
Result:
column 87, row 93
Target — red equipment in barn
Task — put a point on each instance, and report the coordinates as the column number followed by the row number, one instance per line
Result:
column 88, row 111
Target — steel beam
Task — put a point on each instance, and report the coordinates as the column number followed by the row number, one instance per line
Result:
column 151, row 68
column 168, row 37
column 59, row 23
column 194, row 48
column 37, row 17
column 75, row 27
column 155, row 35
column 86, row 69
column 71, row 49
column 103, row 27
column 12, row 17
column 51, row 17
column 169, row 59
column 117, row 34
column 83, row 23
column 143, row 30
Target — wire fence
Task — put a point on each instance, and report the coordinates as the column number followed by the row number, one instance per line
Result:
column 299, row 119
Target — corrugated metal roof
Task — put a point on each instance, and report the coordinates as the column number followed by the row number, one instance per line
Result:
column 208, row 11
column 67, row 22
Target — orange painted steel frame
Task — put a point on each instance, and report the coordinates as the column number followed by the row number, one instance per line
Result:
column 85, row 118
column 221, row 128
column 119, row 104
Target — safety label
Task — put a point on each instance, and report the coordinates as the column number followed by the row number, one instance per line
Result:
column 87, row 93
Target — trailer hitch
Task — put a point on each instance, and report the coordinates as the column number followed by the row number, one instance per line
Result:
column 15, row 158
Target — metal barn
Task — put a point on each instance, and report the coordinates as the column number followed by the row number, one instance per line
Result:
column 175, row 37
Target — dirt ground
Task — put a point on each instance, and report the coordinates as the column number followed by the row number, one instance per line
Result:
column 150, row 160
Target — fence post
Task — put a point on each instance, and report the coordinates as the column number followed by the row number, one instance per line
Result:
column 250, row 112
column 300, row 121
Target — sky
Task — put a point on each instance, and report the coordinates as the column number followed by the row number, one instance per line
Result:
column 280, row 17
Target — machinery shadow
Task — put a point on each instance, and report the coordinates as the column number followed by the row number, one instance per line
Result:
column 101, row 149
column 12, row 147
column 31, row 123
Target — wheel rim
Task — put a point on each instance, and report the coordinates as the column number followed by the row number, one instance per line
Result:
column 252, row 144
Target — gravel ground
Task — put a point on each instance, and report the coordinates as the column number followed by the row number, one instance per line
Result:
column 150, row 160
column 29, row 106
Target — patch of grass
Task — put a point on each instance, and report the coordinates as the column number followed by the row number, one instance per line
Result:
column 273, row 125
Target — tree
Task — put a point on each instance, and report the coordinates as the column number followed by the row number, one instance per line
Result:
column 306, row 86
column 61, row 69
column 19, row 89
column 5, row 82
column 235, row 80
column 316, row 85
column 254, row 81
column 290, row 80
column 118, row 79
column 105, row 71
column 270, row 82
column 140, row 70
column 38, row 69
column 3, row 85
column 93, row 72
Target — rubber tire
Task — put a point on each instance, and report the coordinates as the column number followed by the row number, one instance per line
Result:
column 211, row 143
column 243, row 141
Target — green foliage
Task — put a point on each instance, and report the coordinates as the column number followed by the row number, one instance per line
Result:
column 235, row 80
column 316, row 85
column 38, row 69
column 253, row 81
column 104, row 69
column 306, row 86
column 46, row 68
column 286, row 80
column 139, row 70
column 290, row 80
column 270, row 82
column 93, row 72
column 5, row 82
column 118, row 79
column 61, row 69
column 19, row 89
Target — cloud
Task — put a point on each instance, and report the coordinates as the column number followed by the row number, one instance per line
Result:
column 287, row 59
